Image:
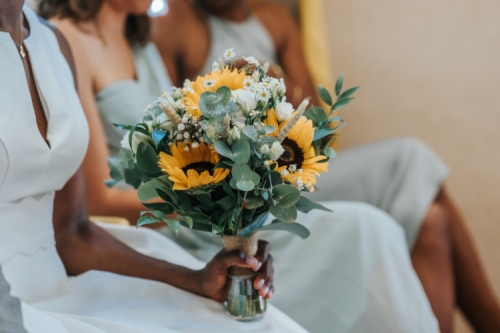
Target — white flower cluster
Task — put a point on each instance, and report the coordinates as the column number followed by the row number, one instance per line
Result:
column 294, row 180
column 274, row 152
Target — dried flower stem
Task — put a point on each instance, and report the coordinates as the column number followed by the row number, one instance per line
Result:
column 288, row 127
column 171, row 113
column 227, row 121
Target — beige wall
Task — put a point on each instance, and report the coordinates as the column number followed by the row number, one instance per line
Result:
column 429, row 69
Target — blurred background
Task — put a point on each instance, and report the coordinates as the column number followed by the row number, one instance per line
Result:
column 428, row 69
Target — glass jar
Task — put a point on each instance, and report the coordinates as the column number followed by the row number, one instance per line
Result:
column 244, row 302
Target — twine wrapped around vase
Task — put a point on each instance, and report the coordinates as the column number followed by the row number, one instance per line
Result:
column 247, row 245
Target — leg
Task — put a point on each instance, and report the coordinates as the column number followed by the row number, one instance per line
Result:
column 432, row 260
column 475, row 296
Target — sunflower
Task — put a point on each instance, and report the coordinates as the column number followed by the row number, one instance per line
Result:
column 299, row 165
column 191, row 168
column 272, row 120
column 210, row 82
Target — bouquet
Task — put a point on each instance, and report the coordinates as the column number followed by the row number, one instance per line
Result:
column 223, row 153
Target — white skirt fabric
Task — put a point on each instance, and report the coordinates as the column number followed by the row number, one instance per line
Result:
column 352, row 275
column 401, row 176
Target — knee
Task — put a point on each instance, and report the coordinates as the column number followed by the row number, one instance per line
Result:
column 435, row 230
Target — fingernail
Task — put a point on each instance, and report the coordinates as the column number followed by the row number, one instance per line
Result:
column 251, row 261
column 258, row 267
column 265, row 291
column 260, row 284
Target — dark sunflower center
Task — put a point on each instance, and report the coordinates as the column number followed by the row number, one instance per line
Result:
column 292, row 154
column 199, row 167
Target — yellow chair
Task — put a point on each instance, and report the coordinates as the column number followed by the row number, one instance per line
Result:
column 110, row 219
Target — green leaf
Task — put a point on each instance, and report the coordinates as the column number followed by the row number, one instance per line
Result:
column 317, row 115
column 320, row 133
column 294, row 228
column 147, row 191
column 329, row 152
column 207, row 202
column 184, row 199
column 226, row 202
column 341, row 103
column 217, row 104
column 223, row 149
column 115, row 169
column 267, row 129
column 285, row 195
column 348, row 92
column 163, row 207
column 188, row 220
column 245, row 185
column 325, row 95
column 254, row 226
column 287, row 214
column 252, row 202
column 227, row 189
column 305, row 205
column 251, row 132
column 173, row 224
column 147, row 160
column 146, row 220
column 241, row 151
column 110, row 183
column 241, row 171
column 133, row 176
column 338, row 84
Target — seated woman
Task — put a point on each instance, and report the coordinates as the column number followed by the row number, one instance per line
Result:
column 354, row 260
column 400, row 176
column 44, row 231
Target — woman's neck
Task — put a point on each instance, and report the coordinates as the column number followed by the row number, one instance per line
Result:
column 110, row 22
column 239, row 11
column 10, row 16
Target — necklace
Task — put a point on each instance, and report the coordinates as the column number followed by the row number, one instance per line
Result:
column 22, row 52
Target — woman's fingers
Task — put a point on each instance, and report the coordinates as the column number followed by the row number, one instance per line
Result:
column 265, row 277
column 263, row 251
column 224, row 260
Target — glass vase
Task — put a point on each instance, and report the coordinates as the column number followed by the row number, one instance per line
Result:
column 243, row 301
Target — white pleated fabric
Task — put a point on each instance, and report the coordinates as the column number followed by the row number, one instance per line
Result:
column 32, row 171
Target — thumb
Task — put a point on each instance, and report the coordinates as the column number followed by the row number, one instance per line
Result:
column 225, row 260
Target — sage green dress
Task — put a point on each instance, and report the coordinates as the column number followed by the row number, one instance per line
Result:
column 353, row 274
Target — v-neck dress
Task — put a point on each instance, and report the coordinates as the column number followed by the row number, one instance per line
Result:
column 31, row 173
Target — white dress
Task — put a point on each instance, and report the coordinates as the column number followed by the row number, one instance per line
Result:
column 30, row 174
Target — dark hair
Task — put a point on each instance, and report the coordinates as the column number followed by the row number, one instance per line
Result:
column 137, row 28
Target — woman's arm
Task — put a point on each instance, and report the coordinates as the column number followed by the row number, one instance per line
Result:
column 84, row 246
column 289, row 49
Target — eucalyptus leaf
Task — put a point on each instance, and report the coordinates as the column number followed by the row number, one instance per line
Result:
column 147, row 191
column 286, row 214
column 245, row 185
column 294, row 228
column 305, row 205
column 223, row 149
column 285, row 195
column 110, row 183
column 251, row 132
column 254, row 226
column 241, row 151
column 163, row 207
column 320, row 133
column 241, row 171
